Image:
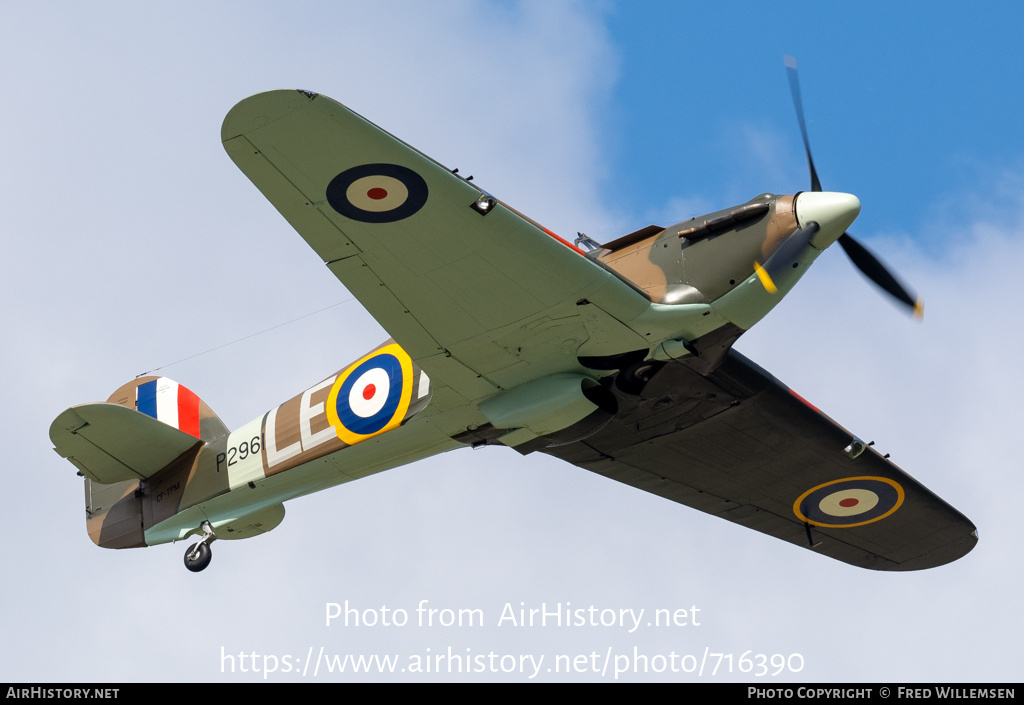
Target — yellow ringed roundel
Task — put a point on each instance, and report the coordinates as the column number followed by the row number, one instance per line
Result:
column 372, row 395
column 849, row 502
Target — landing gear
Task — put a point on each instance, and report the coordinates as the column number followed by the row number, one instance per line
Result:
column 199, row 555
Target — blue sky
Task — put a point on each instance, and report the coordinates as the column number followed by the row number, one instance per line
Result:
column 906, row 104
column 132, row 241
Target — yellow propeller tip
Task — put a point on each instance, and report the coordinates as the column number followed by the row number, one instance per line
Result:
column 766, row 280
column 919, row 310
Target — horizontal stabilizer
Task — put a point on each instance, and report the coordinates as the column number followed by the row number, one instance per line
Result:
column 110, row 443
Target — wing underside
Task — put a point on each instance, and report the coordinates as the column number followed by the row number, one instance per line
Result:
column 483, row 301
column 740, row 445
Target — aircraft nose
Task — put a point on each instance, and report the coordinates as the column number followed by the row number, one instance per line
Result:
column 833, row 212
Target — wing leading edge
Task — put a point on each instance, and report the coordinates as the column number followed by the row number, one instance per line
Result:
column 740, row 445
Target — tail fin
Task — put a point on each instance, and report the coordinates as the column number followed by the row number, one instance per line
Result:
column 145, row 427
column 174, row 404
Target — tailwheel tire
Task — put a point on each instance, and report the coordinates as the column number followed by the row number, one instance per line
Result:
column 203, row 555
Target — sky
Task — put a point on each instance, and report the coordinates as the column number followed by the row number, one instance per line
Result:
column 131, row 242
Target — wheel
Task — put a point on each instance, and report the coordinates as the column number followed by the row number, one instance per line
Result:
column 202, row 559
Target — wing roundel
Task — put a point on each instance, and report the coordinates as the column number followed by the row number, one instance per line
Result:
column 377, row 193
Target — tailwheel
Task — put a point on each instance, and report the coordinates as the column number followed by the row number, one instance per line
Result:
column 198, row 556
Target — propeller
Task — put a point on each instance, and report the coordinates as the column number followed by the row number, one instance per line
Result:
column 861, row 257
column 782, row 258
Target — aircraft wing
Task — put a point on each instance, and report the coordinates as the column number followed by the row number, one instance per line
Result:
column 482, row 301
column 740, row 445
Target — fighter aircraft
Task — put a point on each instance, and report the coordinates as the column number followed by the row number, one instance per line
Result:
column 616, row 357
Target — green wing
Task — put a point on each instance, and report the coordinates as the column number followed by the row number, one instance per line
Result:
column 482, row 302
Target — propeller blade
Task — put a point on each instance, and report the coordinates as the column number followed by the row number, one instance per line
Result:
column 784, row 257
column 861, row 257
column 794, row 87
column 877, row 272
column 766, row 280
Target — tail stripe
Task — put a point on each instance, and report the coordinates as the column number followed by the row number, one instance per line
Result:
column 167, row 401
column 145, row 399
column 188, row 411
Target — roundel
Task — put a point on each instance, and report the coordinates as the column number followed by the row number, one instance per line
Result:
column 372, row 395
column 852, row 501
column 377, row 193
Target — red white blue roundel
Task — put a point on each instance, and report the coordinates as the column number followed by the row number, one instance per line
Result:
column 372, row 396
column 377, row 193
column 852, row 501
